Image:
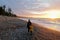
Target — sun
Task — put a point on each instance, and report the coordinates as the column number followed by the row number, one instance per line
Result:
column 53, row 14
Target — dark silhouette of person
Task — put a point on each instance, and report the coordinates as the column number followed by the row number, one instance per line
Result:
column 28, row 25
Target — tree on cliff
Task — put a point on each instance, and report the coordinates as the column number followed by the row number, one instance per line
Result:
column 6, row 13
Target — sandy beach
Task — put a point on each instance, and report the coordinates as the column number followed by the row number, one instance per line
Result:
column 12, row 28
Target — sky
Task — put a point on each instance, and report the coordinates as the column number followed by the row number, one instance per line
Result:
column 28, row 7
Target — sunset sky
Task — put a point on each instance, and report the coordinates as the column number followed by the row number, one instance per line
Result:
column 33, row 7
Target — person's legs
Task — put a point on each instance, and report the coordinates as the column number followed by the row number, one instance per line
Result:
column 28, row 29
column 30, row 32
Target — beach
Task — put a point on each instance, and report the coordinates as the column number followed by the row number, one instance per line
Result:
column 12, row 28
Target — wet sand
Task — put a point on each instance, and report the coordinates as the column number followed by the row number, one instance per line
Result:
column 41, row 33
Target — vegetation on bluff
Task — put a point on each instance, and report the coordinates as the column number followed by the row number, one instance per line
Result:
column 7, row 12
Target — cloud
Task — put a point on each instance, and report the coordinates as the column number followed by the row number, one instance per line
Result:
column 19, row 6
column 55, row 4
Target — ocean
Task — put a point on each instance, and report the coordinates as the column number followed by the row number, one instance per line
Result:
column 46, row 22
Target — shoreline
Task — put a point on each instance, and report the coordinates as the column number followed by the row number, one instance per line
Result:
column 45, row 33
column 44, row 27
